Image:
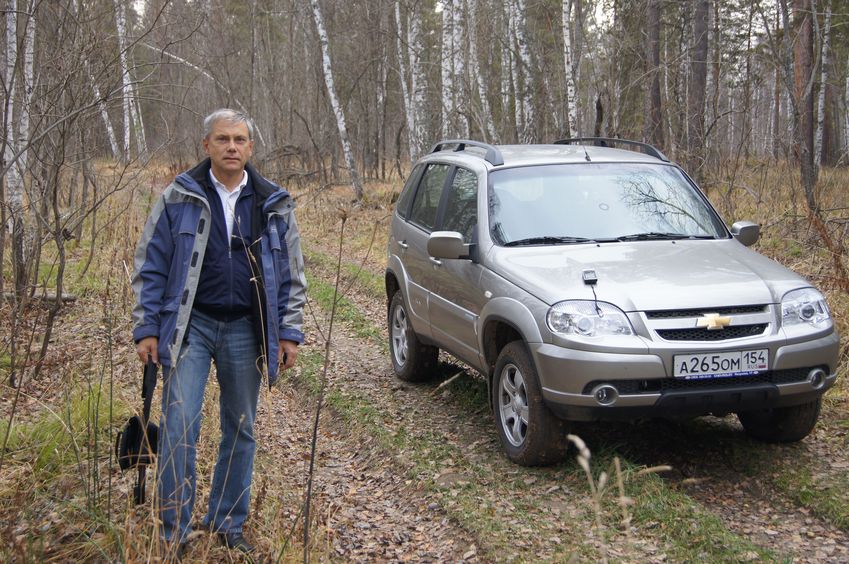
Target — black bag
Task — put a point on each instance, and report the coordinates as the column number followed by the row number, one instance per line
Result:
column 136, row 444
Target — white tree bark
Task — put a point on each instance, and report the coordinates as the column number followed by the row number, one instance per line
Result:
column 571, row 105
column 826, row 45
column 523, row 85
column 461, row 123
column 446, row 68
column 104, row 115
column 409, row 106
column 485, row 117
column 508, row 117
column 418, row 79
column 14, row 183
column 334, row 100
column 126, row 89
column 138, row 124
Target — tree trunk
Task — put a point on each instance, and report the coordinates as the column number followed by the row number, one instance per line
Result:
column 446, row 69
column 654, row 131
column 826, row 44
column 522, row 73
column 126, row 87
column 104, row 115
column 696, row 90
column 334, row 101
column 508, row 89
column 13, row 185
column 458, row 67
column 418, row 79
column 485, row 115
column 803, row 73
column 776, row 100
column 569, row 74
column 407, row 98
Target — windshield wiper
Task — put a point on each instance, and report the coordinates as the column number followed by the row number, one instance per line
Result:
column 655, row 236
column 547, row 240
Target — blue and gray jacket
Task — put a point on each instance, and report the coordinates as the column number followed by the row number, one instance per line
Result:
column 170, row 255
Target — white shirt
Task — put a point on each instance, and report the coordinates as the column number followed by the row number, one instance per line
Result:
column 228, row 199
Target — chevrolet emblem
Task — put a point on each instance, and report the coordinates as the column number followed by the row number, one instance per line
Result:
column 713, row 321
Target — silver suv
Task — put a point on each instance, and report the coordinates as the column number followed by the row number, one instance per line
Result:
column 586, row 283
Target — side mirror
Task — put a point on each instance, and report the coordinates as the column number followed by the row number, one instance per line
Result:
column 746, row 232
column 447, row 245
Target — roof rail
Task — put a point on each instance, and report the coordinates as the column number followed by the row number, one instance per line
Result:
column 611, row 141
column 492, row 156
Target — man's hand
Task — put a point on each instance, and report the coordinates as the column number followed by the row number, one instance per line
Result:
column 148, row 346
column 289, row 351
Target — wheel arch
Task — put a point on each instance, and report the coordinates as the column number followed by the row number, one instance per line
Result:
column 392, row 285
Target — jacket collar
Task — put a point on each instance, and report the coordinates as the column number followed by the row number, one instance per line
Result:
column 196, row 178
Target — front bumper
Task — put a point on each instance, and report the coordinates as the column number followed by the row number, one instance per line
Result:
column 645, row 388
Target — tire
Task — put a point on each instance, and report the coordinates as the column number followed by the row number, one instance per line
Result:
column 782, row 424
column 412, row 360
column 530, row 434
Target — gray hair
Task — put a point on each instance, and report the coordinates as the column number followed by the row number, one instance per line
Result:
column 230, row 116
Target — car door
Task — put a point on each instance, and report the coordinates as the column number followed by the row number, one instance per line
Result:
column 457, row 298
column 412, row 242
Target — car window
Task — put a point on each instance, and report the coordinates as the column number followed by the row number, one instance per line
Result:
column 406, row 195
column 461, row 209
column 597, row 200
column 426, row 200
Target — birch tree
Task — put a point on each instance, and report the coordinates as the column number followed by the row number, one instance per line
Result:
column 334, row 101
column 485, row 122
column 521, row 72
column 14, row 183
column 458, row 67
column 569, row 74
column 126, row 88
column 16, row 150
column 406, row 93
column 104, row 114
column 819, row 147
column 654, row 117
column 697, row 89
column 446, row 68
column 418, row 78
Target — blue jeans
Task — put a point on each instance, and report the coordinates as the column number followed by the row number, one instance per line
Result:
column 234, row 348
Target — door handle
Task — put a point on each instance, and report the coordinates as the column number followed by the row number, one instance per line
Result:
column 435, row 262
column 403, row 244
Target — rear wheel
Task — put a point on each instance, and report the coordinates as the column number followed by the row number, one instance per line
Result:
column 782, row 424
column 412, row 360
column 530, row 434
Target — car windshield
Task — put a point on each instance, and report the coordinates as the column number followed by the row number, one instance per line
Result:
column 597, row 202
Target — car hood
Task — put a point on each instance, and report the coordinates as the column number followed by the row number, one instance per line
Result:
column 648, row 275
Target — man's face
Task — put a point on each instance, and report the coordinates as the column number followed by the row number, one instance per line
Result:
column 229, row 147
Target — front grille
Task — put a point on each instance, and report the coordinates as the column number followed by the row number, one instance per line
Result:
column 631, row 387
column 676, row 313
column 704, row 334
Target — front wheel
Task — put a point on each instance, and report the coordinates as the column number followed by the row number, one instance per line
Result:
column 412, row 360
column 530, row 434
column 782, row 424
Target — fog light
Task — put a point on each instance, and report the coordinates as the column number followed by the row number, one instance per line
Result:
column 605, row 394
column 817, row 378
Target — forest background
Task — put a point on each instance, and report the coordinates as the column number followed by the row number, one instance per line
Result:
column 103, row 102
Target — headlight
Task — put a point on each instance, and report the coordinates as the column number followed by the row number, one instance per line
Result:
column 588, row 319
column 804, row 305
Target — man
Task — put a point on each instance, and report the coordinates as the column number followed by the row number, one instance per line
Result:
column 218, row 277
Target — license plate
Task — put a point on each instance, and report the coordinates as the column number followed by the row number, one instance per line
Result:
column 721, row 365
